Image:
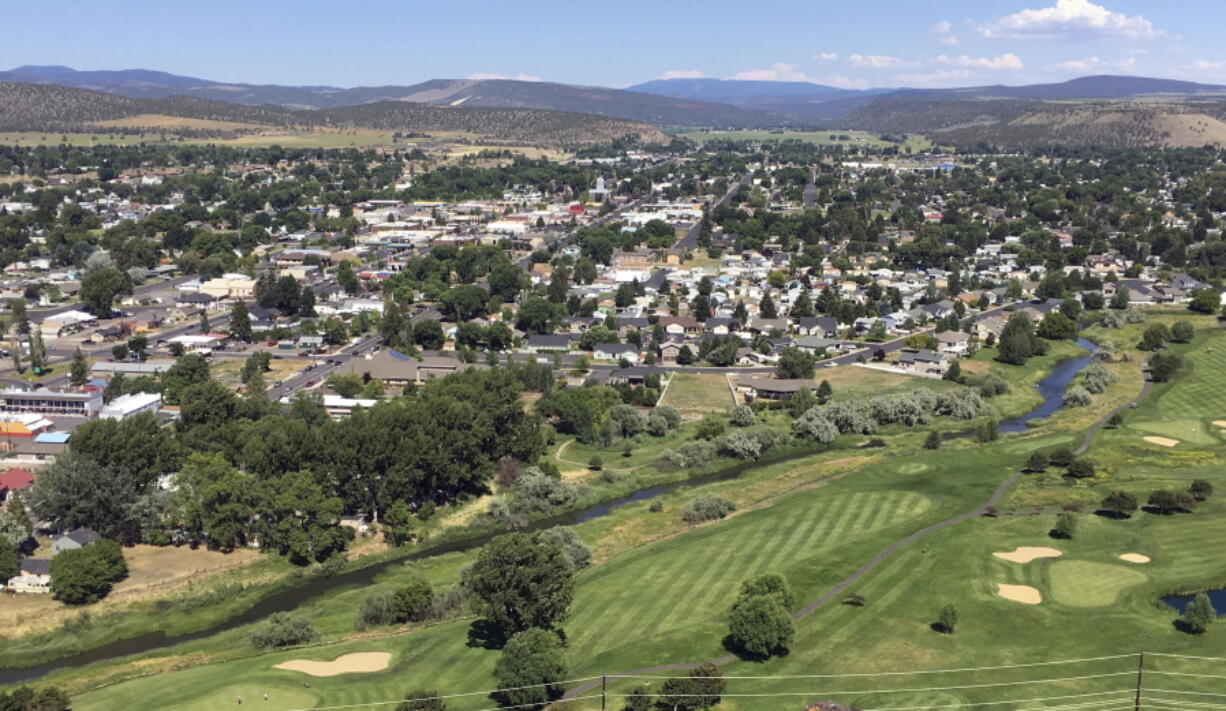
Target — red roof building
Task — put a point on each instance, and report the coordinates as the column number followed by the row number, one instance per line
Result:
column 14, row 480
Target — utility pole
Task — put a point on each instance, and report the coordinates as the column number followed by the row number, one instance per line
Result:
column 1140, row 672
column 602, row 680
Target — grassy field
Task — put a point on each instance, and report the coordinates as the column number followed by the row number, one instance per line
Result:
column 659, row 589
column 696, row 394
column 152, row 572
column 228, row 371
column 161, row 131
column 656, row 602
column 823, row 138
column 850, row 382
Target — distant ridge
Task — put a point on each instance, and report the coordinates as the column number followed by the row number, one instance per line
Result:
column 702, row 102
column 52, row 108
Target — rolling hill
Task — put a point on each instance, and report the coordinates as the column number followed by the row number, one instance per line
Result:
column 1151, row 111
column 491, row 93
column 1028, row 123
column 48, row 108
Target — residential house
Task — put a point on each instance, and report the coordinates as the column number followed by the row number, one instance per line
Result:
column 956, row 343
column 766, row 325
column 924, row 362
column 548, row 343
column 721, row 325
column 35, row 576
column 772, row 388
column 74, row 539
column 680, row 325
column 827, row 326
column 12, row 481
column 616, row 351
column 669, row 352
column 817, row 344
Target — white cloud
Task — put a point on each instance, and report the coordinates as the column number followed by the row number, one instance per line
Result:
column 937, row 78
column 682, row 74
column 1202, row 65
column 875, row 61
column 1082, row 65
column 518, row 77
column 779, row 71
column 1094, row 64
column 1004, row 61
column 944, row 32
column 842, row 82
column 826, row 57
column 1070, row 20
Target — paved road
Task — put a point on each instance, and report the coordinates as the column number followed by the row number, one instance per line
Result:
column 690, row 240
column 809, row 199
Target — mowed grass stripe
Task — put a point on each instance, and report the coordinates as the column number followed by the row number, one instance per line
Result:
column 752, row 554
column 651, row 618
column 801, row 535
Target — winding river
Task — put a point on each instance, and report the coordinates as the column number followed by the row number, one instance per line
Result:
column 1051, row 388
column 311, row 588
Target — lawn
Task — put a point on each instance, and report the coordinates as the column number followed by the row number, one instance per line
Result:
column 850, row 382
column 659, row 590
column 228, row 371
column 1187, row 408
column 649, row 603
column 696, row 394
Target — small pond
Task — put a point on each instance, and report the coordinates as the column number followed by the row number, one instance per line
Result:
column 1181, row 602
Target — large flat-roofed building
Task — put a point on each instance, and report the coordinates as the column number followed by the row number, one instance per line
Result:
column 125, row 406
column 51, row 402
column 149, row 367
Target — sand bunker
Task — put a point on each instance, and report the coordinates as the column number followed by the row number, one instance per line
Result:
column 1161, row 441
column 1025, row 554
column 358, row 662
column 1134, row 558
column 1219, row 423
column 1019, row 593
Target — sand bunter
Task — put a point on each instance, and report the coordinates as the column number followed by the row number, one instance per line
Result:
column 1019, row 593
column 1025, row 554
column 356, row 662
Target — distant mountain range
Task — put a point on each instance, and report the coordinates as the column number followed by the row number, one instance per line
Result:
column 717, row 103
column 491, row 93
column 53, row 108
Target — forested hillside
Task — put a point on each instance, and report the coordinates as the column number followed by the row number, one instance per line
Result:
column 49, row 108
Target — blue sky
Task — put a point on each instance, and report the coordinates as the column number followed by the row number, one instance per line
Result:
column 855, row 44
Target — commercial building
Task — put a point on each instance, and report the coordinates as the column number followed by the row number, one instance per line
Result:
column 125, row 406
column 51, row 402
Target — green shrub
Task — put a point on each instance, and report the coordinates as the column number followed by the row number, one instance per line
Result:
column 282, row 629
column 706, row 508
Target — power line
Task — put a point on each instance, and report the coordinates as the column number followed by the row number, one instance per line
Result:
column 468, row 693
column 1119, row 692
column 1194, row 693
column 401, row 701
column 955, row 687
column 1186, row 656
column 898, row 673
